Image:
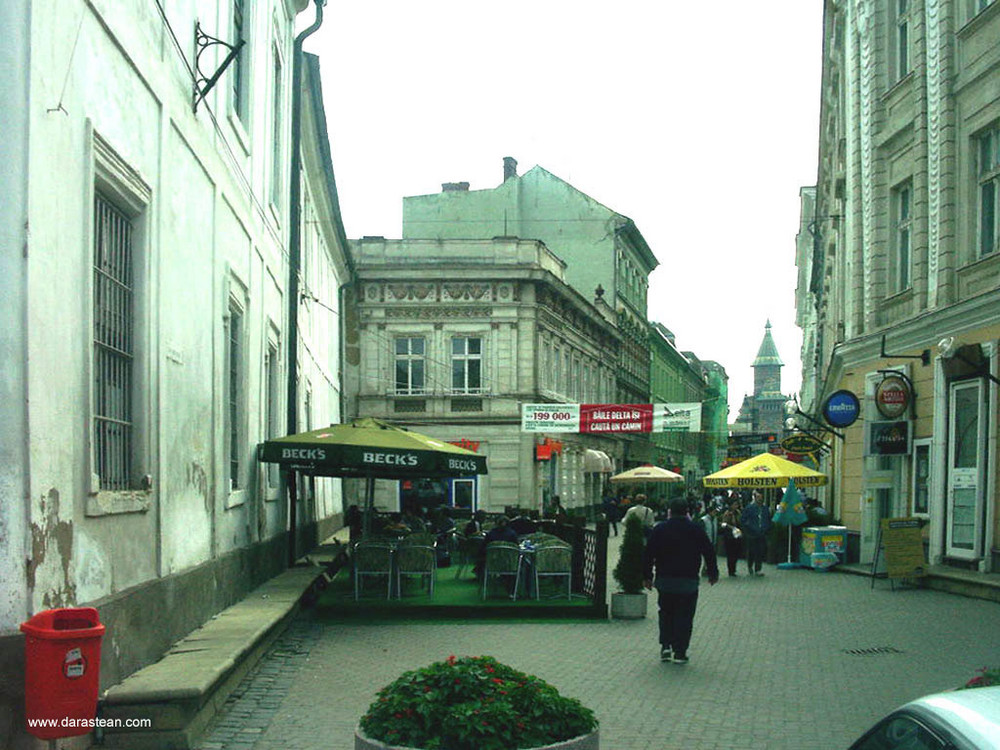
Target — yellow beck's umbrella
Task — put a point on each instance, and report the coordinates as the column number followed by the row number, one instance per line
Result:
column 647, row 474
column 762, row 471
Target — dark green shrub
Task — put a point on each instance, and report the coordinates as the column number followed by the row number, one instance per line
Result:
column 474, row 703
column 628, row 570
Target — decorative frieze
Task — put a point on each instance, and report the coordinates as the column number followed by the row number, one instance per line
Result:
column 468, row 291
column 427, row 312
column 934, row 127
column 411, row 293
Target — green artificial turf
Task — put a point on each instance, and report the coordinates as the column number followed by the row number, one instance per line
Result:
column 453, row 598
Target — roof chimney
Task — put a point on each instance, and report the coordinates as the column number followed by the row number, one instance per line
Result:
column 454, row 187
column 509, row 167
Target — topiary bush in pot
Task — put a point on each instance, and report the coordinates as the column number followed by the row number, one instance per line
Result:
column 474, row 703
column 628, row 570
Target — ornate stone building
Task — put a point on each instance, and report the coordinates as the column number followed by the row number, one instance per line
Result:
column 604, row 251
column 904, row 269
column 454, row 335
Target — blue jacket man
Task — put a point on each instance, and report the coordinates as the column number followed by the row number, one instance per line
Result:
column 755, row 522
column 676, row 548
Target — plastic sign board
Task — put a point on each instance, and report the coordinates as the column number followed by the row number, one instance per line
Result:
column 801, row 443
column 892, row 397
column 888, row 438
column 841, row 409
column 550, row 418
column 611, row 418
column 904, row 547
column 677, row 417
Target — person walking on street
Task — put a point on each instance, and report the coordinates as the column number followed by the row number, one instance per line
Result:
column 611, row 511
column 675, row 549
column 755, row 522
column 732, row 537
column 645, row 514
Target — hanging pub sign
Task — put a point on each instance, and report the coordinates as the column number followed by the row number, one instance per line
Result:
column 892, row 397
column 841, row 409
column 888, row 438
column 801, row 443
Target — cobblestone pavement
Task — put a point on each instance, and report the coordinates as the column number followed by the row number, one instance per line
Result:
column 796, row 659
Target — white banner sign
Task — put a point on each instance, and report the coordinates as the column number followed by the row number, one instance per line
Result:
column 677, row 417
column 550, row 417
column 606, row 418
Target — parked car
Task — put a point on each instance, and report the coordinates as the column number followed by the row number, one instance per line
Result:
column 955, row 720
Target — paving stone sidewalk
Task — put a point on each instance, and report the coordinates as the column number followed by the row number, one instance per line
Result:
column 795, row 659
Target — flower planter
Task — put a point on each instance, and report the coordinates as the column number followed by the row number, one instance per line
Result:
column 628, row 606
column 583, row 742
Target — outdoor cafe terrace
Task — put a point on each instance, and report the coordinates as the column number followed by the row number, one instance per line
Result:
column 556, row 570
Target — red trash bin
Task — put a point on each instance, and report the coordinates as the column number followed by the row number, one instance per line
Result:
column 62, row 659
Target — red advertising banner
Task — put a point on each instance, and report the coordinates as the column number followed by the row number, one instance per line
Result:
column 606, row 418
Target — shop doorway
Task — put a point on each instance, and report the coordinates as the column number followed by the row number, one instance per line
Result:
column 880, row 499
column 464, row 493
column 966, row 469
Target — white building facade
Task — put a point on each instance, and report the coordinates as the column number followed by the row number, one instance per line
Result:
column 146, row 317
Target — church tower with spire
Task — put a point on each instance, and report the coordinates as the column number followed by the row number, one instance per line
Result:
column 767, row 366
column 765, row 409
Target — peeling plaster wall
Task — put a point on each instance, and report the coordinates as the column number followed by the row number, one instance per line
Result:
column 15, row 57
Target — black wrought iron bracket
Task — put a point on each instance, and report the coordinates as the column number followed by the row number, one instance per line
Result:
column 924, row 356
column 203, row 83
column 813, row 420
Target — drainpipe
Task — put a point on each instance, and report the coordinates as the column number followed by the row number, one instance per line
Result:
column 294, row 258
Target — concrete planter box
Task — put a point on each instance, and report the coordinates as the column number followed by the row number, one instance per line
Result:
column 628, row 606
column 583, row 742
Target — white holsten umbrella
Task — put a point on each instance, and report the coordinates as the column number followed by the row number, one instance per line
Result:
column 647, row 473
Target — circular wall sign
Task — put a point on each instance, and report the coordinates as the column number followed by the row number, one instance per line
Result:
column 892, row 397
column 841, row 409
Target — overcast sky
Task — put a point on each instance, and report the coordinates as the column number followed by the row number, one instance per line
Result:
column 699, row 121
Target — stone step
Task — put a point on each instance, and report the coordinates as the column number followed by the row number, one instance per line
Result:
column 182, row 692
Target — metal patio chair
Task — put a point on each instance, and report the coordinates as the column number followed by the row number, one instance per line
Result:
column 415, row 561
column 372, row 559
column 553, row 561
column 503, row 560
column 465, row 553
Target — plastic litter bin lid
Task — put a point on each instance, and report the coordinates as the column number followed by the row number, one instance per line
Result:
column 57, row 624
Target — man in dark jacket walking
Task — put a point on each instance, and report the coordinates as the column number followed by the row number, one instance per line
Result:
column 676, row 548
column 755, row 522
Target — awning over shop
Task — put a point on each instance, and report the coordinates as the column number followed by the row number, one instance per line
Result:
column 596, row 462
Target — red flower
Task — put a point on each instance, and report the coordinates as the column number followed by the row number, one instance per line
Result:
column 498, row 681
column 451, row 659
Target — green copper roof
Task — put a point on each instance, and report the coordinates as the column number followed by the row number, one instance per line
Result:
column 768, row 352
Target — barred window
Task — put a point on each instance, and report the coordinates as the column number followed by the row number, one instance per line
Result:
column 234, row 394
column 240, row 69
column 902, row 200
column 902, row 42
column 114, row 346
column 277, row 128
column 988, row 170
column 271, row 404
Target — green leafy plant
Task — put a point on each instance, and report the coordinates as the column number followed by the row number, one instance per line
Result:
column 985, row 677
column 474, row 703
column 628, row 570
